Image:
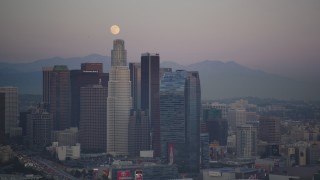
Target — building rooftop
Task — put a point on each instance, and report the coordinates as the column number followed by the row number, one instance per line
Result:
column 60, row 68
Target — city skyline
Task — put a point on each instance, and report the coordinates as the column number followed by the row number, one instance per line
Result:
column 277, row 37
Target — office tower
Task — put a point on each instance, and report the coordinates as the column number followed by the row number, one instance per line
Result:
column 138, row 132
column 92, row 67
column 269, row 130
column 93, row 115
column 39, row 126
column 218, row 131
column 78, row 79
column 217, row 106
column 204, row 150
column 96, row 68
column 135, row 78
column 46, row 80
column 216, row 127
column 180, row 118
column 237, row 117
column 2, row 117
column 60, row 97
column 9, row 109
column 150, row 86
column 211, row 114
column 119, row 101
column 246, row 140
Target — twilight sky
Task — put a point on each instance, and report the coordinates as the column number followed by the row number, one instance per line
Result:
column 281, row 37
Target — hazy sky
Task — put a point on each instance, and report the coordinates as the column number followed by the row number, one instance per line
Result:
column 281, row 36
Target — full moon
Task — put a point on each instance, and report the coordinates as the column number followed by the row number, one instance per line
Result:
column 115, row 29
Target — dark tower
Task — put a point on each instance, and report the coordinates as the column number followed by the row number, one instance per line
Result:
column 2, row 117
column 150, row 99
column 135, row 78
column 93, row 115
column 60, row 97
column 46, row 79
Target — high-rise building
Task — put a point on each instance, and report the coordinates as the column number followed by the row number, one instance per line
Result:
column 150, row 87
column 79, row 79
column 93, row 115
column 9, row 108
column 60, row 97
column 237, row 117
column 216, row 126
column 180, row 118
column 2, row 117
column 39, row 126
column 119, row 101
column 138, row 132
column 269, row 129
column 204, row 150
column 46, row 80
column 246, row 141
column 90, row 74
column 218, row 131
column 135, row 78
column 217, row 106
column 92, row 67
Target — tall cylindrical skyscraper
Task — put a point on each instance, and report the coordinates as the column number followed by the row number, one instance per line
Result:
column 119, row 101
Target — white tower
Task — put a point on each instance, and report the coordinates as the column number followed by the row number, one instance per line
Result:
column 246, row 141
column 119, row 101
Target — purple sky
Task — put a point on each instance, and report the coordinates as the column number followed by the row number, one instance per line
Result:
column 281, row 37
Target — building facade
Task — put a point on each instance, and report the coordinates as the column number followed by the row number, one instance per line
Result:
column 46, row 80
column 269, row 130
column 135, row 78
column 60, row 97
column 237, row 117
column 138, row 132
column 246, row 141
column 119, row 101
column 67, row 137
column 93, row 115
column 39, row 127
column 180, row 118
column 150, row 86
column 9, row 108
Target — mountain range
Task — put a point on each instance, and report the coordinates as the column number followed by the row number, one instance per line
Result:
column 218, row 79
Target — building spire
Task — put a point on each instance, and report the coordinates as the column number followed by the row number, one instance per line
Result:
column 118, row 53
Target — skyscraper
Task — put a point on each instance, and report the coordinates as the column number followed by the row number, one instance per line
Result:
column 269, row 130
column 135, row 78
column 9, row 110
column 46, row 79
column 150, row 86
column 119, row 101
column 237, row 117
column 39, row 126
column 79, row 79
column 246, row 139
column 60, row 97
column 180, row 104
column 93, row 115
column 90, row 74
column 138, row 132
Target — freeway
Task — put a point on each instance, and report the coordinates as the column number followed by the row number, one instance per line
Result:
column 49, row 168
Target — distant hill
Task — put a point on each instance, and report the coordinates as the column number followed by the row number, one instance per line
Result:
column 225, row 80
column 218, row 79
column 72, row 63
column 28, row 76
